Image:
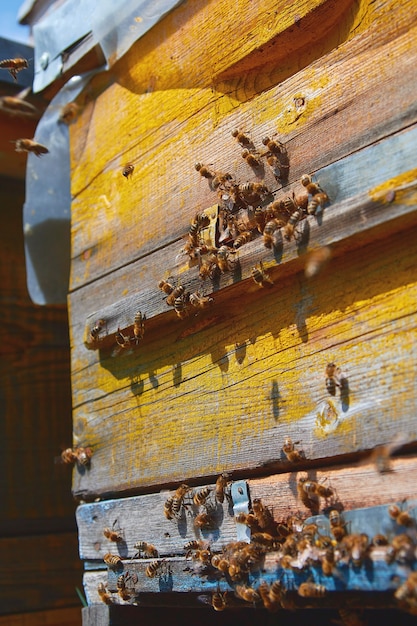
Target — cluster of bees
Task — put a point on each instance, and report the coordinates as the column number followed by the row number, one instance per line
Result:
column 295, row 545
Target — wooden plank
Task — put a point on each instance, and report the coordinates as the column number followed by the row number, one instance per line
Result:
column 141, row 518
column 99, row 189
column 45, row 566
column 56, row 617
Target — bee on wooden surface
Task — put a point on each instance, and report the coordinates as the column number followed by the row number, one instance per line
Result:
column 79, row 455
column 312, row 590
column 219, row 600
column 328, row 562
column 113, row 535
column 122, row 340
column 121, row 587
column 241, row 138
column 200, row 497
column 192, row 545
column 128, row 170
column 200, row 302
column 204, row 171
column 260, row 277
column 250, row 158
column 266, row 540
column 178, row 498
column 29, row 145
column 357, row 545
column 402, row 549
column 105, row 596
column 293, row 455
column 248, row 190
column 208, row 269
column 154, row 568
column 168, row 508
column 306, row 493
column 247, row 593
column 275, row 147
column 337, row 526
column 316, row 260
column 307, row 182
column 14, row 66
column 139, row 326
column 69, row 113
column 204, row 520
column 166, row 287
column 260, row 218
column 295, row 217
column 112, row 560
column 221, row 486
column 95, row 331
column 317, row 202
column 249, row 519
column 332, row 374
column 263, row 515
column 177, row 292
column 243, row 238
column 224, row 261
column 219, row 562
column 181, row 306
column 198, row 222
column 403, row 518
column 269, row 231
column 147, row 549
column 203, row 556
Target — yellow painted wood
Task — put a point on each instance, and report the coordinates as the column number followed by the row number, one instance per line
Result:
column 165, row 129
column 226, row 397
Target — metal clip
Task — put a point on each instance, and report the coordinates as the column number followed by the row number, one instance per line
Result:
column 240, row 497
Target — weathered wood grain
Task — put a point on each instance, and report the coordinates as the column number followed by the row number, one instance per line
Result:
column 141, row 518
column 45, row 566
column 164, row 150
column 55, row 617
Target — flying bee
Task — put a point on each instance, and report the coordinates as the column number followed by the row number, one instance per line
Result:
column 29, row 145
column 219, row 601
column 247, row 593
column 204, row 171
column 243, row 238
column 316, row 260
column 293, row 455
column 79, row 455
column 15, row 105
column 337, row 527
column 403, row 518
column 139, row 326
column 259, row 275
column 112, row 560
column 69, row 113
column 154, row 568
column 128, row 170
column 113, row 535
column 200, row 302
column 122, row 340
column 220, row 488
column 332, row 374
column 203, row 520
column 250, row 158
column 312, row 590
column 14, row 66
column 96, row 329
column 241, row 138
column 104, row 594
column 200, row 497
column 147, row 549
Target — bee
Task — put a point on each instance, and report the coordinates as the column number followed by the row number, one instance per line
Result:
column 29, row 145
column 275, row 147
column 379, row 540
column 248, row 190
column 337, row 527
column 295, row 217
column 247, row 593
column 312, row 590
column 165, row 287
column 16, row 104
column 208, row 269
column 263, row 515
column 219, row 601
column 149, row 551
column 241, row 138
column 112, row 560
column 178, row 499
column 203, row 520
column 154, row 568
column 313, row 488
column 139, row 326
column 204, row 171
column 204, row 556
column 113, row 535
column 242, row 239
column 82, row 456
column 403, row 518
column 402, row 549
column 194, row 544
column 168, row 508
column 177, row 292
column 224, row 263
column 14, row 66
column 293, row 455
column 259, row 275
column 332, row 374
column 248, row 519
column 316, row 260
column 316, row 202
column 180, row 306
column 121, row 587
column 200, row 302
column 307, row 182
column 408, row 590
column 357, row 546
column 128, row 170
column 306, row 495
column 198, row 222
column 266, row 540
column 220, row 488
column 104, row 594
column 69, row 113
column 122, row 340
column 201, row 496
column 250, row 158
column 220, row 563
column 328, row 561
column 96, row 329
column 269, row 231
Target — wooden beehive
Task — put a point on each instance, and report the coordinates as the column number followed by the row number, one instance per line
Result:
column 221, row 389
